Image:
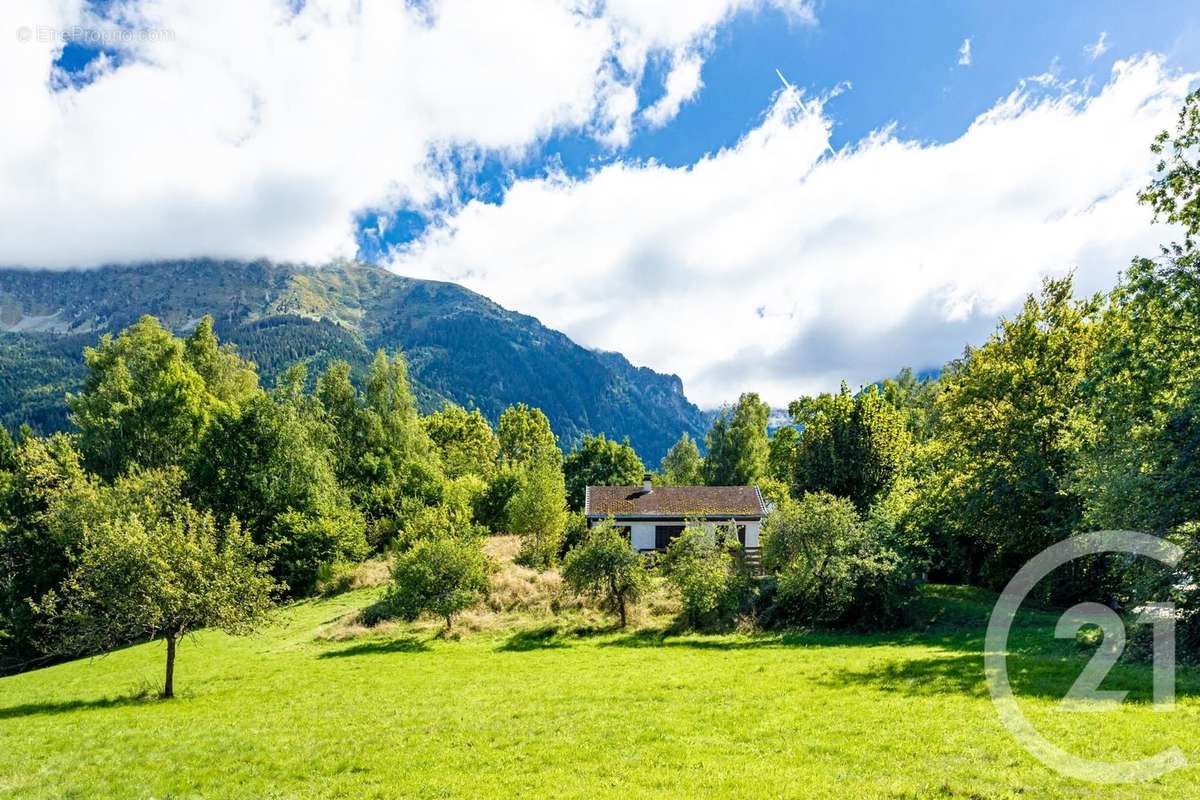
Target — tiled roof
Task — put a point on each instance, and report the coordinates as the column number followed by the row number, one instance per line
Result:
column 677, row 501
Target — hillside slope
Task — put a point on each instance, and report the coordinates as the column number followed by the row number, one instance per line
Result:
column 461, row 346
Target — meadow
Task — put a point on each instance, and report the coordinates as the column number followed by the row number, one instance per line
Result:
column 569, row 707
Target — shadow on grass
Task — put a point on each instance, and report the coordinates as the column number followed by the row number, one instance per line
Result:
column 45, row 709
column 377, row 647
column 544, row 638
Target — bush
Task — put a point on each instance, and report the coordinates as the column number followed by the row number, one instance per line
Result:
column 831, row 568
column 605, row 567
column 302, row 544
column 701, row 567
column 491, row 504
column 441, row 576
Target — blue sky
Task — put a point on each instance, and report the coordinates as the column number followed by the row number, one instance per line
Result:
column 632, row 172
column 890, row 63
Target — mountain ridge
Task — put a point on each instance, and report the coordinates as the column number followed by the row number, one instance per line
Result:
column 461, row 345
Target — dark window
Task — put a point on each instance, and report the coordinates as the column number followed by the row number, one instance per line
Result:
column 625, row 531
column 665, row 534
column 741, row 535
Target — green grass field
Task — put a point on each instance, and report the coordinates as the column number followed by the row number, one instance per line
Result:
column 542, row 712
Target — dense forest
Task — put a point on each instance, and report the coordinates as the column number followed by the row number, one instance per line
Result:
column 189, row 494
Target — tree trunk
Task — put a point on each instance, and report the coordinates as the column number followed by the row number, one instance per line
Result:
column 621, row 609
column 449, row 622
column 169, row 688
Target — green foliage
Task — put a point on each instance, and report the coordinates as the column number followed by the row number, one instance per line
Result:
column 39, row 478
column 159, row 574
column 526, row 439
column 266, row 465
column 142, row 404
column 599, row 461
column 782, row 453
column 832, row 568
column 537, row 513
column 737, row 444
column 491, row 506
column 229, row 380
column 441, row 575
column 683, row 464
column 605, row 567
column 853, row 446
column 700, row 564
column 1000, row 466
column 465, row 441
column 1172, row 194
column 917, row 401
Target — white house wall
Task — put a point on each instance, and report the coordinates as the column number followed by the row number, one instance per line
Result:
column 641, row 534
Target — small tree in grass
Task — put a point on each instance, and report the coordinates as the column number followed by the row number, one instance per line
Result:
column 700, row 566
column 163, row 577
column 604, row 566
column 442, row 575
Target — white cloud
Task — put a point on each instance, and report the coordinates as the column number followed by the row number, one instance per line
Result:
column 683, row 82
column 1099, row 47
column 777, row 266
column 261, row 127
column 964, row 53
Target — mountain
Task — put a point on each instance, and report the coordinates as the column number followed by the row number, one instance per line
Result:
column 460, row 345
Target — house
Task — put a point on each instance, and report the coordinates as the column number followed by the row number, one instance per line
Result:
column 651, row 516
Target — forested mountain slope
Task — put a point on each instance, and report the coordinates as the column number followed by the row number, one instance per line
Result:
column 460, row 345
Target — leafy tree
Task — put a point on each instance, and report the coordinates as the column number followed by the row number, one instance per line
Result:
column 142, row 403
column 998, row 483
column 441, row 575
column 605, row 567
column 916, row 398
column 34, row 551
column 229, row 379
column 266, row 464
column 683, row 465
column 853, row 446
column 526, row 439
column 383, row 454
column 1173, row 192
column 1139, row 433
column 782, row 454
column 700, row 566
column 537, row 513
column 600, row 462
column 831, row 569
column 491, row 505
column 465, row 440
column 737, row 444
column 164, row 577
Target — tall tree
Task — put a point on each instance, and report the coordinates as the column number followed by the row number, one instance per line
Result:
column 599, row 461
column 229, row 379
column 782, row 454
column 683, row 465
column 737, row 444
column 142, row 403
column 1000, row 480
column 853, row 446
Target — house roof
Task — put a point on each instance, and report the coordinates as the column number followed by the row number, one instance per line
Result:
column 673, row 501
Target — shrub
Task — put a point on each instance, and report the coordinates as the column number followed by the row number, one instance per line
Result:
column 302, row 544
column 701, row 567
column 605, row 567
column 831, row 568
column 573, row 534
column 491, row 504
column 442, row 576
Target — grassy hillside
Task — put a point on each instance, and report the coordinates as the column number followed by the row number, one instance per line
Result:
column 461, row 346
column 544, row 709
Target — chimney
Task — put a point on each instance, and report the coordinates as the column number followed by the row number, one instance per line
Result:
column 646, row 487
